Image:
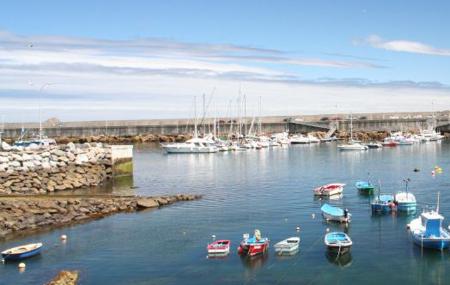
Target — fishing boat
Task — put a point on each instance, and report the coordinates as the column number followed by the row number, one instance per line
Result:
column 329, row 189
column 427, row 230
column 365, row 187
column 338, row 241
column 287, row 246
column 331, row 213
column 405, row 201
column 251, row 246
column 22, row 252
column 383, row 204
column 389, row 142
column 219, row 247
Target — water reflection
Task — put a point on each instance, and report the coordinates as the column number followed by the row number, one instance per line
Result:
column 254, row 262
column 341, row 260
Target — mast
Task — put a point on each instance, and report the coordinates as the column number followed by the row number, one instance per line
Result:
column 195, row 117
column 245, row 113
column 351, row 127
column 437, row 207
column 259, row 118
column 204, row 113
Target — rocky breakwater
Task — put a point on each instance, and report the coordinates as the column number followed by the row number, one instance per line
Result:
column 20, row 214
column 63, row 167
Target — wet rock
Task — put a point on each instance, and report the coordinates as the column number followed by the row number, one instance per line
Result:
column 65, row 278
column 147, row 203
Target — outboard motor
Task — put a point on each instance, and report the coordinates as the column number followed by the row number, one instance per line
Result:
column 346, row 213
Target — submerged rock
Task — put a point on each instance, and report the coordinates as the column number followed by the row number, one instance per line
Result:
column 65, row 278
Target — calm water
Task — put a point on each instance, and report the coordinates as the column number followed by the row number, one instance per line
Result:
column 270, row 190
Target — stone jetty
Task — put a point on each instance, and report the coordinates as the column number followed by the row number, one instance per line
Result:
column 22, row 214
column 62, row 167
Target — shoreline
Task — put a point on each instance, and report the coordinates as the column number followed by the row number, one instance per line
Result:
column 21, row 215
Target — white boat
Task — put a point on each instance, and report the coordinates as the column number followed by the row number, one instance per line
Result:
column 406, row 202
column 352, row 144
column 313, row 139
column 299, row 139
column 287, row 246
column 329, row 189
column 194, row 145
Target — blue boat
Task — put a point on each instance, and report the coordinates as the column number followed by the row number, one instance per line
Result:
column 427, row 230
column 383, row 204
column 331, row 213
column 338, row 241
column 22, row 252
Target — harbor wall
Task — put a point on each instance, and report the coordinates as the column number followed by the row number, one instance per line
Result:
column 63, row 167
column 269, row 124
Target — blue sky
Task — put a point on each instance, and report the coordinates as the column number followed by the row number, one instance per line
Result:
column 147, row 59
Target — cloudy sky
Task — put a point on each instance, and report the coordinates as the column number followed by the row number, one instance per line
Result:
column 103, row 60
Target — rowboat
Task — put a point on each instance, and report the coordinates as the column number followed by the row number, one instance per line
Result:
column 331, row 213
column 287, row 246
column 365, row 187
column 22, row 252
column 255, row 245
column 219, row 247
column 338, row 241
column 329, row 189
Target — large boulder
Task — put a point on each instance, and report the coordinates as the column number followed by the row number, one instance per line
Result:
column 145, row 203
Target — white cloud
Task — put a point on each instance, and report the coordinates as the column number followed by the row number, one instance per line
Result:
column 405, row 46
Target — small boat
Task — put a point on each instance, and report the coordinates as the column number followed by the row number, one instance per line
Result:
column 287, row 246
column 365, row 187
column 338, row 241
column 331, row 213
column 299, row 139
column 352, row 146
column 374, row 145
column 427, row 230
column 405, row 201
column 22, row 252
column 329, row 189
column 383, row 204
column 253, row 246
column 390, row 143
column 219, row 247
column 194, row 145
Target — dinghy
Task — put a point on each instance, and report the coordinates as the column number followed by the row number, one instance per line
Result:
column 338, row 241
column 255, row 245
column 22, row 252
column 331, row 213
column 329, row 189
column 287, row 246
column 219, row 247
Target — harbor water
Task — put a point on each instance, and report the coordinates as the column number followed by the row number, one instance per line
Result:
column 269, row 190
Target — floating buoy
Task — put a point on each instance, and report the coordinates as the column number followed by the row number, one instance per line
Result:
column 63, row 237
column 313, row 215
column 213, row 236
column 433, row 173
column 327, row 230
column 21, row 265
column 416, row 170
column 298, row 228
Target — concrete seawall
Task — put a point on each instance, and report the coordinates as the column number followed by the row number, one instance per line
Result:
column 273, row 124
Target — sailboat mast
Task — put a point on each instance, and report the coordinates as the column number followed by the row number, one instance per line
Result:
column 245, row 113
column 259, row 117
column 351, row 127
column 437, row 207
column 195, row 117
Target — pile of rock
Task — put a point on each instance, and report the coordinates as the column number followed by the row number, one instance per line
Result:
column 142, row 138
column 21, row 214
column 63, row 167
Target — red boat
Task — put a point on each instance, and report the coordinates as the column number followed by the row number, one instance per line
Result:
column 390, row 143
column 219, row 247
column 329, row 189
column 253, row 246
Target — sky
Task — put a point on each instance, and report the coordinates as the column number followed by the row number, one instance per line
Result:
column 139, row 59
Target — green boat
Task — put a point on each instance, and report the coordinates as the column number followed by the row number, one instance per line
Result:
column 365, row 187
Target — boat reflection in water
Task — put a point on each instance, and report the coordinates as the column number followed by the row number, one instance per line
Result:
column 342, row 260
column 287, row 255
column 254, row 262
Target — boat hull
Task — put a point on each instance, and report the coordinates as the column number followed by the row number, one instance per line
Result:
column 190, row 150
column 253, row 249
column 20, row 256
column 431, row 243
column 340, row 219
column 407, row 207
